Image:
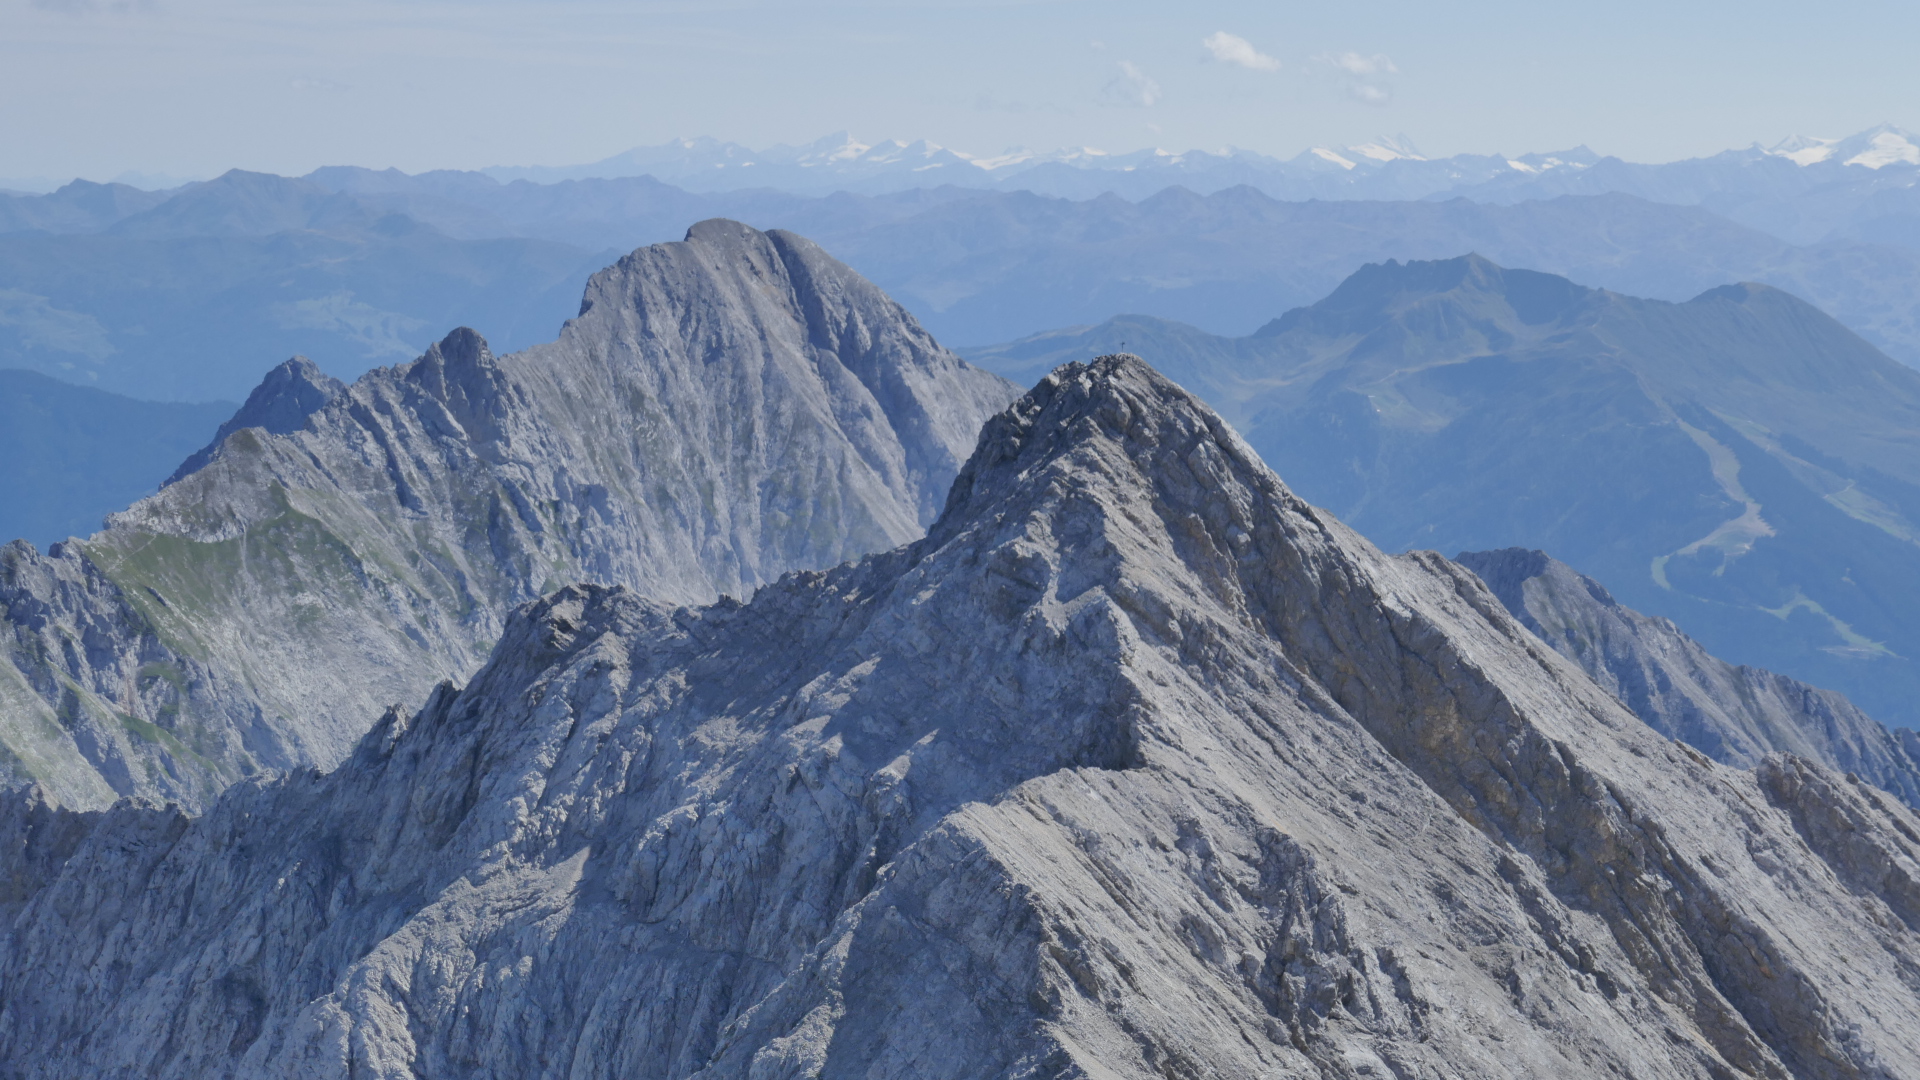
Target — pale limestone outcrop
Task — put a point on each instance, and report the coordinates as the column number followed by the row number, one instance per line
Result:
column 723, row 410
column 1135, row 766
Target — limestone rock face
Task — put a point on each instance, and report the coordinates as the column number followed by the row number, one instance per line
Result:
column 280, row 405
column 1734, row 713
column 722, row 411
column 1135, row 766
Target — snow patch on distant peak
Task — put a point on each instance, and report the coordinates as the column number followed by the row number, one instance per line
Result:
column 1020, row 155
column 1535, row 164
column 1803, row 149
column 1887, row 148
column 1327, row 155
column 1874, row 148
column 1397, row 148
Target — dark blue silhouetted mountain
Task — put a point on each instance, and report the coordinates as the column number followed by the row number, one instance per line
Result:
column 74, row 455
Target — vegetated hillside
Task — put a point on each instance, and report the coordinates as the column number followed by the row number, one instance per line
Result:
column 723, row 410
column 1136, row 766
column 356, row 268
column 74, row 455
column 1735, row 714
column 1739, row 463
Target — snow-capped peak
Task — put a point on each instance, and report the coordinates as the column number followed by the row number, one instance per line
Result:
column 1375, row 153
column 1020, row 155
column 1384, row 149
column 1803, row 149
column 1534, row 164
column 1872, row 149
column 1882, row 146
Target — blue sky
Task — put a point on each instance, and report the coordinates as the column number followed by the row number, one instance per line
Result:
column 192, row 87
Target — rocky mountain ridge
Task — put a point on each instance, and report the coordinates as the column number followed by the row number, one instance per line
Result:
column 1738, row 462
column 1734, row 714
column 1135, row 766
column 723, row 410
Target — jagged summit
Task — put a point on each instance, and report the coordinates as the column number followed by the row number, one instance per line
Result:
column 1134, row 766
column 724, row 410
column 280, row 404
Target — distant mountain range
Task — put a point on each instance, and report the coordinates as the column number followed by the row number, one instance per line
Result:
column 1384, row 168
column 192, row 295
column 1801, row 189
column 1739, row 463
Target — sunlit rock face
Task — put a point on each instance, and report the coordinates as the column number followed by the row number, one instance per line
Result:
column 722, row 411
column 1135, row 766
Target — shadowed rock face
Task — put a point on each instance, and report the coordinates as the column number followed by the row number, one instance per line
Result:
column 1733, row 713
column 723, row 410
column 1135, row 766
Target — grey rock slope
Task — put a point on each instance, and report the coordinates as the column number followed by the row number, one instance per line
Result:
column 1739, row 463
column 1135, row 766
column 724, row 410
column 1734, row 713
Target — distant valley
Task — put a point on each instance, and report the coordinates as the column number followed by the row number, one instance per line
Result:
column 1739, row 463
column 75, row 454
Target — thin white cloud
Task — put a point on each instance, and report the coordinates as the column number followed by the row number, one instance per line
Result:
column 1354, row 63
column 1131, row 88
column 1228, row 49
column 1363, row 75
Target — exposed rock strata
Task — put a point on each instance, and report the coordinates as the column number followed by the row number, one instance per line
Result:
column 723, row 410
column 1135, row 766
column 1734, row 713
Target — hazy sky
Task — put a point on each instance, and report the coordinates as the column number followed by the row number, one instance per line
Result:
column 193, row 87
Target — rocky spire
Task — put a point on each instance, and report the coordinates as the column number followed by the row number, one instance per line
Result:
column 280, row 404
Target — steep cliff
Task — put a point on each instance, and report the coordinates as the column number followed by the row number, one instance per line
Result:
column 1135, row 766
column 1734, row 713
column 722, row 411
